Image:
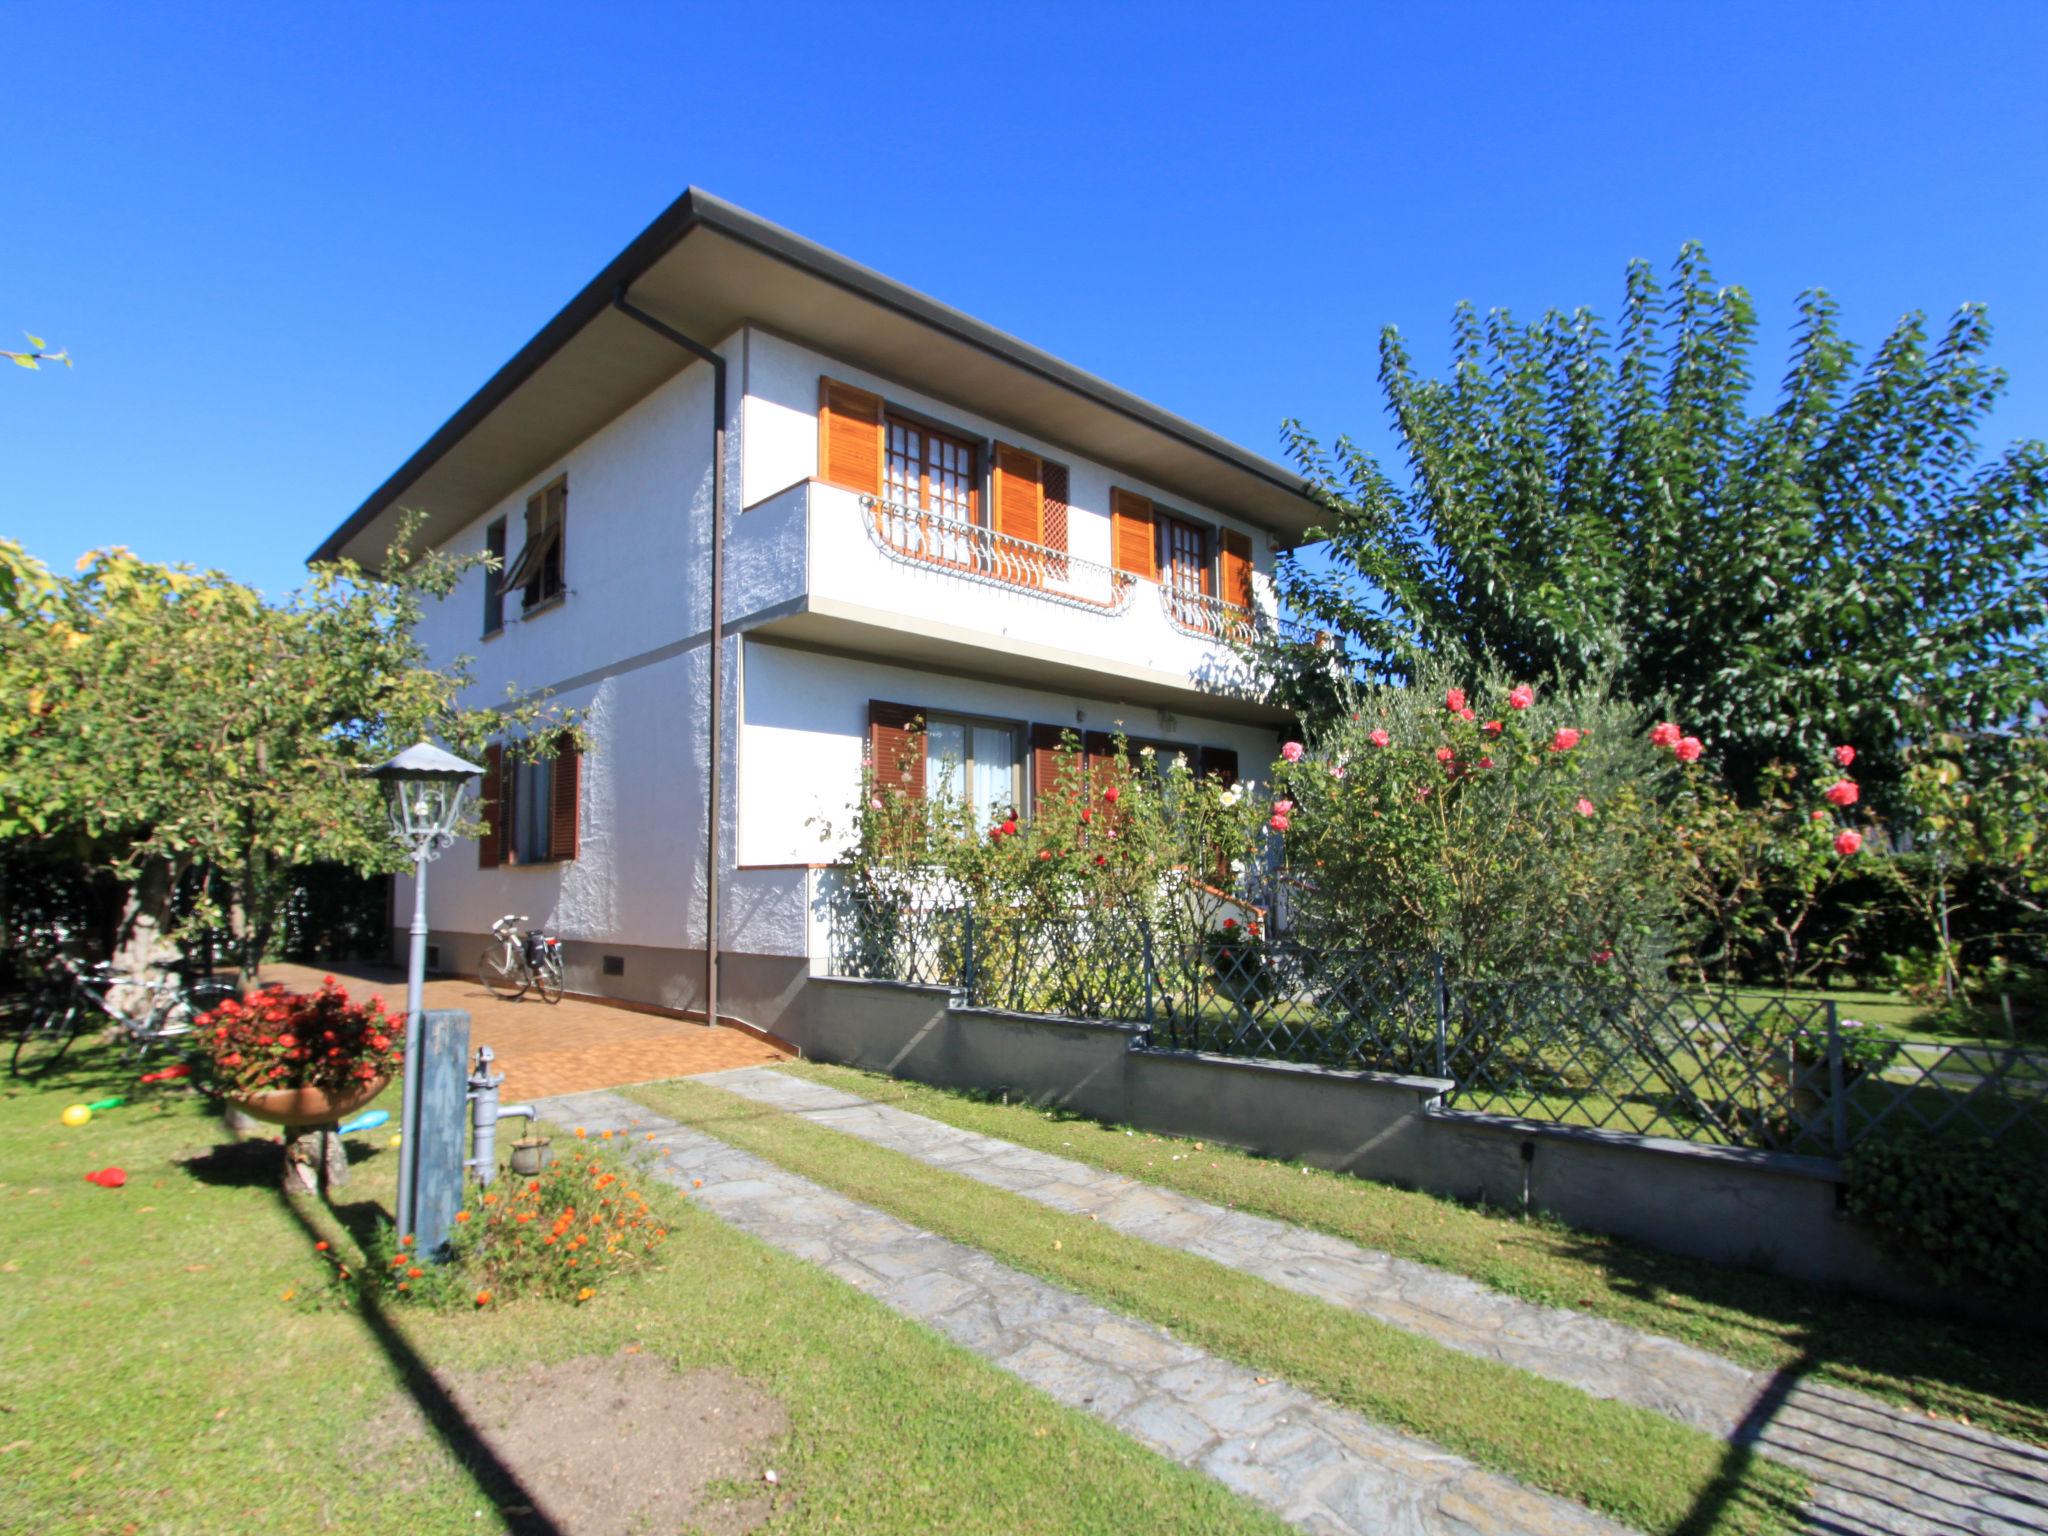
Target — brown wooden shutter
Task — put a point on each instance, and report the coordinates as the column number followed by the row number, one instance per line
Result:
column 1220, row 761
column 1020, row 494
column 490, row 847
column 1237, row 569
column 849, row 437
column 896, row 747
column 1131, row 537
column 1053, row 477
column 1046, row 764
column 565, row 791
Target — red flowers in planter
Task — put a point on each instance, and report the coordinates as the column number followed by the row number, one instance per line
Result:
column 255, row 1041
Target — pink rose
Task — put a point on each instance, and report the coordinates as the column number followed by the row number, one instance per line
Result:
column 1379, row 738
column 1009, row 827
column 1229, row 923
column 1521, row 696
column 1665, row 735
column 1284, row 807
column 1842, row 792
column 1109, row 794
column 1818, row 816
column 1292, row 751
column 1279, row 823
column 1847, row 843
column 1845, row 755
column 875, row 803
column 1044, row 854
column 1336, row 770
column 1454, row 700
column 1493, row 727
column 1602, row 956
column 1486, row 762
column 1466, row 714
column 1445, row 754
column 1688, row 750
column 1584, row 807
column 1566, row 738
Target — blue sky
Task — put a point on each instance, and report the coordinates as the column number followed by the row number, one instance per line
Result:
column 284, row 246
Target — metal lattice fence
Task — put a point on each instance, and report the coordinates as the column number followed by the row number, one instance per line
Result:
column 1593, row 1049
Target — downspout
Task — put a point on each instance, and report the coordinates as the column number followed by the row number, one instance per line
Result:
column 717, row 732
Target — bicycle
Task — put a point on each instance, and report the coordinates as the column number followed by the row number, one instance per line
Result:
column 80, row 997
column 515, row 961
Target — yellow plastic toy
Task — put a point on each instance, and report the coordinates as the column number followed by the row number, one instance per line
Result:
column 394, row 1141
column 77, row 1114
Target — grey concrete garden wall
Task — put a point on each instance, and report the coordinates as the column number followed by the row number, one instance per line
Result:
column 1763, row 1209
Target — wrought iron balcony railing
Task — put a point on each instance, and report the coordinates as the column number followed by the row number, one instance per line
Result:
column 1197, row 613
column 917, row 537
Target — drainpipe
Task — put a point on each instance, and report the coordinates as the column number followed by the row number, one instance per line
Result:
column 717, row 732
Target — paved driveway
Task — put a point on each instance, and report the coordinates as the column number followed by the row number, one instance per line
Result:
column 571, row 1047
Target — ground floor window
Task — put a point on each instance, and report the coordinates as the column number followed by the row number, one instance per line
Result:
column 978, row 761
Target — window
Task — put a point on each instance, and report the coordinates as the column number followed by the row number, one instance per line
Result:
column 1184, row 571
column 538, row 570
column 530, row 809
column 531, row 797
column 494, row 581
column 929, row 471
column 976, row 761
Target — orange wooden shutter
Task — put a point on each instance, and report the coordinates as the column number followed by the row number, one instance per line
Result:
column 1237, row 569
column 1020, row 494
column 1050, row 768
column 896, row 747
column 1131, row 537
column 849, row 437
column 490, row 847
column 565, row 785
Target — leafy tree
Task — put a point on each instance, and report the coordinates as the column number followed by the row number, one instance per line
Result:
column 1846, row 564
column 160, row 723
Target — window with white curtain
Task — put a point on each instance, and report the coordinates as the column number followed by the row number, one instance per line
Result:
column 978, row 761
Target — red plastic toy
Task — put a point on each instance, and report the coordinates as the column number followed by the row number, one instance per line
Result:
column 107, row 1178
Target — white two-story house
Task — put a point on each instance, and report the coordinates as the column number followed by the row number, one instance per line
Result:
column 759, row 509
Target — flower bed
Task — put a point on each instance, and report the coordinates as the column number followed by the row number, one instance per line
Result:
column 322, row 1042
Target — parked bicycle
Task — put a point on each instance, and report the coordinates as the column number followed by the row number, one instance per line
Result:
column 78, row 999
column 515, row 961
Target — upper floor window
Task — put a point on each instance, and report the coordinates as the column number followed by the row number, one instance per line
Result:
column 538, row 570
column 929, row 470
column 494, row 580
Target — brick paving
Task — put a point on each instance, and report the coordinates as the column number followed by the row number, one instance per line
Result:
column 1322, row 1468
column 1875, row 1467
column 572, row 1046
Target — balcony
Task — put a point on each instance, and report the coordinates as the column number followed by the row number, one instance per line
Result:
column 825, row 566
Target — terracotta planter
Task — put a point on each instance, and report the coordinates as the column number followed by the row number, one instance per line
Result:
column 309, row 1106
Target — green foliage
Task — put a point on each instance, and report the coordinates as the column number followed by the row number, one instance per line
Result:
column 1845, row 565
column 155, row 714
column 1969, row 1210
column 1486, row 839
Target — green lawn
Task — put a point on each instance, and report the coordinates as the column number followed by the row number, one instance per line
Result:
column 1648, row 1471
column 170, row 1366
column 1994, row 1376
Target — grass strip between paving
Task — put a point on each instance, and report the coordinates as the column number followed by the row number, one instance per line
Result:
column 1996, row 1378
column 1645, row 1470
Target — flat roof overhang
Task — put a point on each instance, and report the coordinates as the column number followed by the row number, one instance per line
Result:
column 708, row 268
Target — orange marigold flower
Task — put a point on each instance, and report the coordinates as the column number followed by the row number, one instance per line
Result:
column 414, row 1274
column 462, row 1215
column 580, row 1133
column 585, row 1294
column 405, row 1241
column 483, row 1298
column 321, row 1246
column 607, row 1135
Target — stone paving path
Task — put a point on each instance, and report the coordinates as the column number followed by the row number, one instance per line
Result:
column 1321, row 1468
column 1875, row 1468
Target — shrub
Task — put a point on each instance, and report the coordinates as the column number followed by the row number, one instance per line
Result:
column 559, row 1235
column 1968, row 1209
column 276, row 1039
column 1236, row 956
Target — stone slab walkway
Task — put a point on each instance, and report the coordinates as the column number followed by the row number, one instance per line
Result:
column 1321, row 1468
column 1875, row 1468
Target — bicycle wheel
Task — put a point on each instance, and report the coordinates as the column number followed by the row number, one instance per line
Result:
column 547, row 975
column 505, row 974
column 44, row 1039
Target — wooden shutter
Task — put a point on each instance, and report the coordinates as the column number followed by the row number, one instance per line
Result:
column 1020, row 494
column 1237, row 569
column 849, row 437
column 565, row 786
column 1131, row 537
column 1220, row 761
column 1053, row 477
column 896, row 747
column 490, row 847
column 1051, row 769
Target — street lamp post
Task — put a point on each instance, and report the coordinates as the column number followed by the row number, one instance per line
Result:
column 426, row 788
